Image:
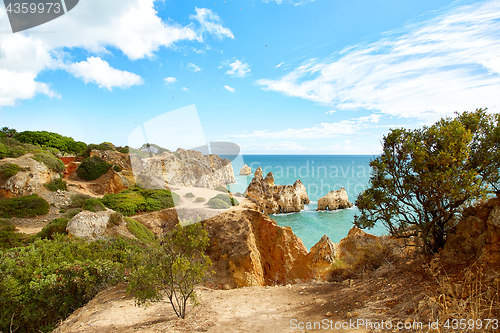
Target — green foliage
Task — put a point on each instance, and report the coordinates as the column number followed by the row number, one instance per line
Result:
column 93, row 205
column 140, row 231
column 50, row 161
column 7, row 132
column 8, row 170
column 190, row 195
column 115, row 219
column 44, row 282
column 227, row 201
column 221, row 188
column 9, row 238
column 422, row 180
column 102, row 146
column 54, row 226
column 92, row 168
column 117, row 168
column 26, row 206
column 51, row 140
column 131, row 202
column 123, row 150
column 172, row 268
column 200, row 199
column 78, row 200
column 56, row 184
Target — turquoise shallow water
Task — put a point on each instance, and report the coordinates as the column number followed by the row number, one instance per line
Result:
column 319, row 174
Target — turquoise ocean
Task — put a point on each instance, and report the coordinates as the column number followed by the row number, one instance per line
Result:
column 319, row 174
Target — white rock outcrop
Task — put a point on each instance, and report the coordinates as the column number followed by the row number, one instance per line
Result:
column 89, row 225
column 245, row 170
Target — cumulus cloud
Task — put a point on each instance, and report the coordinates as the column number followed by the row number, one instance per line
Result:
column 229, row 88
column 170, row 79
column 238, row 68
column 130, row 26
column 446, row 64
column 193, row 67
column 98, row 71
column 319, row 131
column 210, row 23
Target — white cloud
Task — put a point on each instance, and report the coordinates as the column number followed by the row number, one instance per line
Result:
column 284, row 146
column 319, row 131
column 238, row 68
column 279, row 65
column 279, row 2
column 229, row 88
column 447, row 64
column 185, row 88
column 330, row 112
column 193, row 67
column 98, row 71
column 129, row 26
column 170, row 79
column 209, row 22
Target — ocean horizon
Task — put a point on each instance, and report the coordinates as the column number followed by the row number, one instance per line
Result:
column 320, row 174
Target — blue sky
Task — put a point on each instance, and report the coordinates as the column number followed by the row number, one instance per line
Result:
column 275, row 77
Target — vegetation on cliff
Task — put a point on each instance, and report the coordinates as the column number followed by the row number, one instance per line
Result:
column 8, row 170
column 222, row 201
column 25, row 206
column 424, row 177
column 51, row 140
column 92, row 168
column 131, row 202
column 56, row 184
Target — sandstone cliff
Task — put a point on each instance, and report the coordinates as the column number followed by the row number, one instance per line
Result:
column 273, row 199
column 30, row 179
column 334, row 200
column 245, row 170
column 477, row 234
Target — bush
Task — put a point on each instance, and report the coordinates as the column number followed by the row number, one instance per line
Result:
column 115, row 219
column 9, row 238
column 92, row 168
column 54, row 226
column 56, row 184
column 25, row 206
column 189, row 195
column 78, row 200
column 221, row 188
column 93, row 205
column 140, row 231
column 123, row 150
column 225, row 198
column 50, row 161
column 117, row 168
column 51, row 140
column 131, row 202
column 102, row 146
column 200, row 199
column 215, row 203
column 8, row 170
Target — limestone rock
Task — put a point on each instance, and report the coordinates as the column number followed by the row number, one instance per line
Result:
column 274, row 199
column 245, row 170
column 321, row 256
column 89, row 225
column 334, row 200
column 355, row 242
column 30, row 179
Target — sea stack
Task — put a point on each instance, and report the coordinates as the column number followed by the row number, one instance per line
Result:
column 245, row 170
column 334, row 200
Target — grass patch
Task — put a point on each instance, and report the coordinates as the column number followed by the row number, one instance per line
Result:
column 140, row 231
column 92, row 168
column 8, row 170
column 93, row 205
column 189, row 195
column 131, row 202
column 56, row 184
column 200, row 199
column 26, row 206
column 50, row 161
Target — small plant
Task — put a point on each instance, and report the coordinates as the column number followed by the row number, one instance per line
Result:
column 50, row 161
column 92, row 168
column 230, row 201
column 117, row 168
column 56, row 184
column 115, row 219
column 221, row 188
column 8, row 170
column 200, row 199
column 93, row 205
column 78, row 200
column 25, row 206
column 54, row 226
column 189, row 195
column 140, row 231
column 131, row 202
column 215, row 203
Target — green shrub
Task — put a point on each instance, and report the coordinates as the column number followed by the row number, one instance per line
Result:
column 200, row 199
column 221, row 188
column 102, row 146
column 115, row 219
column 215, row 203
column 226, row 198
column 140, row 231
column 189, row 195
column 72, row 212
column 131, row 202
column 123, row 150
column 8, row 170
column 93, row 205
column 50, row 161
column 117, row 168
column 78, row 200
column 92, row 168
column 54, row 226
column 26, row 206
column 51, row 140
column 9, row 238
column 56, row 184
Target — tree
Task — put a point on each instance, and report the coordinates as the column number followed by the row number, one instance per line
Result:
column 173, row 267
column 422, row 180
column 9, row 132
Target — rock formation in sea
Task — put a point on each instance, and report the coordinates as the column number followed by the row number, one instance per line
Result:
column 334, row 200
column 273, row 199
column 245, row 170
